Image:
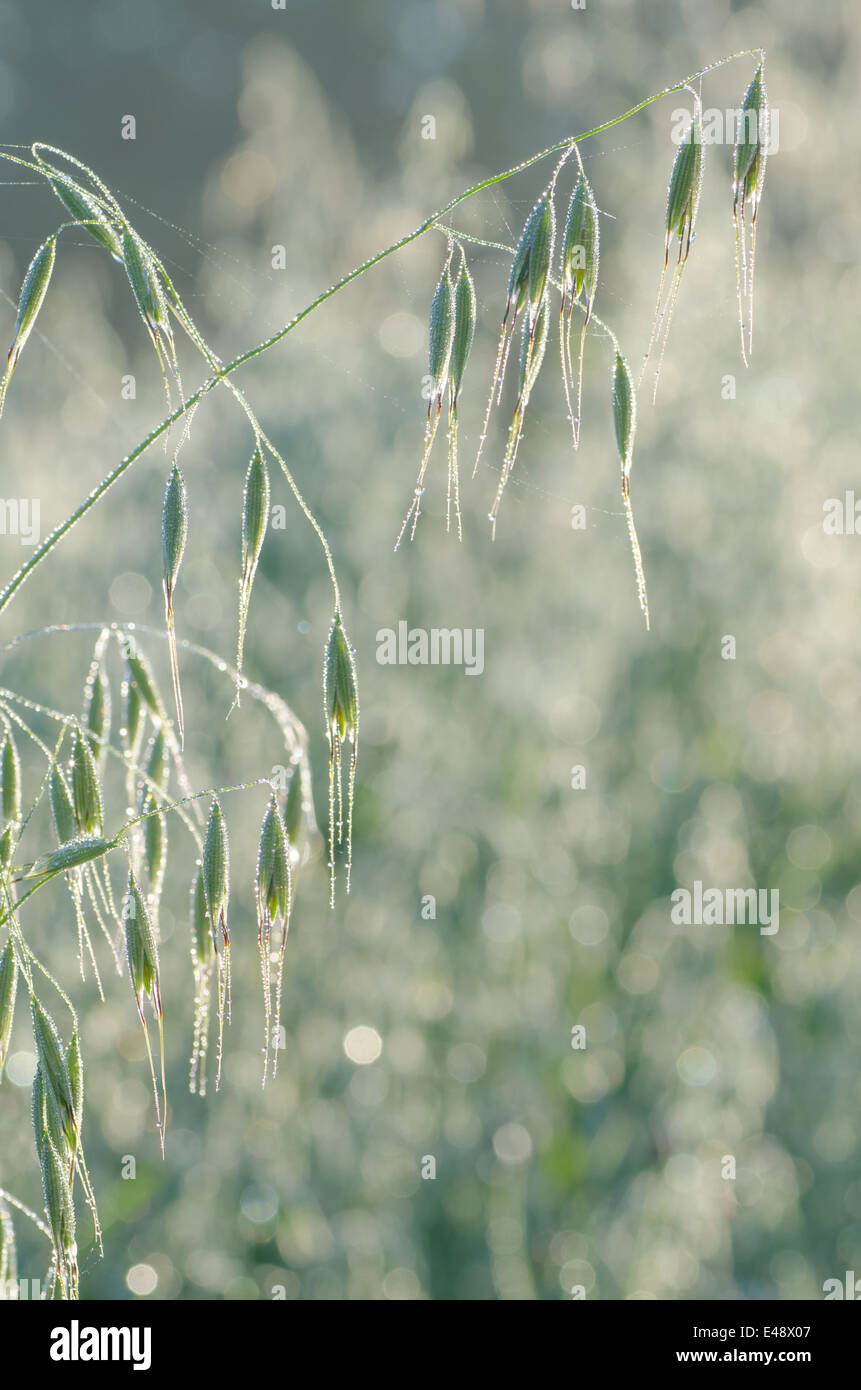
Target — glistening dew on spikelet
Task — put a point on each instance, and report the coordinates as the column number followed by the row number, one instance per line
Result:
column 683, row 200
column 60, row 1211
column 464, row 333
column 625, row 424
column 273, row 892
column 581, row 253
column 174, row 533
column 440, row 339
column 341, row 713
column 142, row 956
column 85, row 209
column 527, row 285
column 86, row 787
column 33, row 292
column 8, row 990
column 203, row 959
column 97, row 711
column 145, row 280
column 255, row 518
column 10, row 779
column 216, row 889
column 751, row 151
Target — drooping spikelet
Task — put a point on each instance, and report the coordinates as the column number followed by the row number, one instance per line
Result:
column 216, row 889
column 174, row 533
column 683, row 200
column 581, row 252
column 255, row 519
column 273, row 893
column 625, row 424
column 341, row 714
column 751, row 152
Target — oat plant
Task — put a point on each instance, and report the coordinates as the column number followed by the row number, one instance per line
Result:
column 106, row 761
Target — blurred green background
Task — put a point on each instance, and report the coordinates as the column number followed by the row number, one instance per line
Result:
column 555, row 1168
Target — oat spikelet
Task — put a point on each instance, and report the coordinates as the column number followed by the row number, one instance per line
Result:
column 625, row 422
column 216, row 888
column 255, row 519
column 464, row 333
column 683, row 199
column 174, row 532
column 581, row 249
column 30, row 300
column 273, row 893
column 341, row 714
column 751, row 152
column 440, row 340
column 142, row 955
column 203, row 959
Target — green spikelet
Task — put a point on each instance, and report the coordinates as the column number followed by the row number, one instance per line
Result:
column 341, row 713
column 8, row 990
column 255, row 518
column 97, row 712
column 625, row 424
column 10, row 779
column 174, row 534
column 203, row 958
column 273, row 894
column 62, row 808
column 142, row 957
column 216, row 888
column 85, row 209
column 30, row 300
column 581, row 254
column 86, row 788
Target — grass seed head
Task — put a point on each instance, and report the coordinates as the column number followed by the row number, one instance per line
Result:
column 273, row 866
column 85, row 209
column 441, row 335
column 60, row 1209
column 683, row 193
column 624, row 412
column 523, row 278
column 216, row 872
column 155, row 843
column 581, row 245
column 86, row 787
column 38, row 1110
column 255, row 515
column 751, row 144
column 464, row 327
column 10, row 779
column 7, row 849
column 294, row 808
column 81, row 850
column 33, row 292
column 54, row 1067
column 8, row 990
column 340, row 690
column 97, row 712
column 141, row 950
column 139, row 672
column 201, row 938
column 146, row 286
column 532, row 348
column 156, row 766
column 62, row 808
column 174, row 531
